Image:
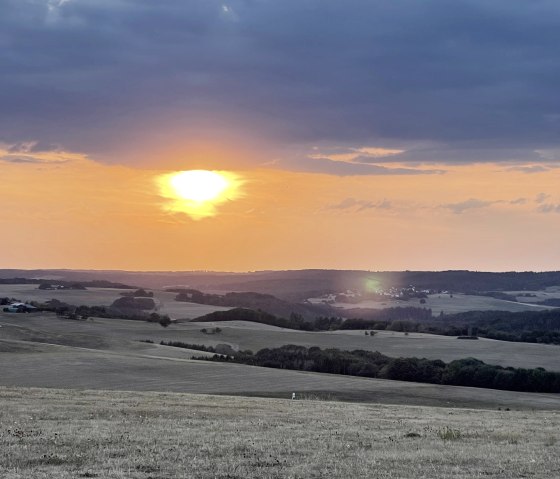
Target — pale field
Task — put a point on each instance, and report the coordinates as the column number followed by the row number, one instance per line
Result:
column 165, row 302
column 459, row 303
column 115, row 435
column 552, row 292
column 253, row 336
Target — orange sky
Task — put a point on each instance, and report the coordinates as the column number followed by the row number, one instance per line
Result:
column 67, row 211
column 369, row 135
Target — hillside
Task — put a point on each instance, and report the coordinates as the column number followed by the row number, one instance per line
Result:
column 70, row 434
column 41, row 350
column 255, row 301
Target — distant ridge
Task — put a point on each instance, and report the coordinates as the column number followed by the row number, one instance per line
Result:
column 297, row 285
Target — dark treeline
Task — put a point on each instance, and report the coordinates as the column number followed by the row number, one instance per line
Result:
column 139, row 293
column 256, row 301
column 462, row 372
column 295, row 321
column 400, row 319
column 468, row 281
column 395, row 319
column 133, row 303
column 526, row 326
column 410, row 316
column 98, row 283
column 228, row 299
column 180, row 344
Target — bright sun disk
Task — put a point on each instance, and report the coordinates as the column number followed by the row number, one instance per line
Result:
column 199, row 185
column 198, row 192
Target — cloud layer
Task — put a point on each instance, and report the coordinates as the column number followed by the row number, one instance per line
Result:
column 472, row 81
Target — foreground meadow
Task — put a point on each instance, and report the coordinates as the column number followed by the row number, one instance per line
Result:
column 71, row 434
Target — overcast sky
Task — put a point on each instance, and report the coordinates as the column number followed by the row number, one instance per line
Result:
column 465, row 81
column 386, row 127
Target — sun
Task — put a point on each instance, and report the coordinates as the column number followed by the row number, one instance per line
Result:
column 199, row 185
column 197, row 192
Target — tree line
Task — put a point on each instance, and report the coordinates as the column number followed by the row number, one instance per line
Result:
column 525, row 326
column 462, row 372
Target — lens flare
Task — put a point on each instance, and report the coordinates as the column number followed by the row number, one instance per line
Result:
column 198, row 192
column 372, row 285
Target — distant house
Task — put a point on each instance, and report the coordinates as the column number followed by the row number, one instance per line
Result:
column 20, row 308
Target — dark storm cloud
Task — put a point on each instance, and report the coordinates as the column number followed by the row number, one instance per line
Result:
column 474, row 80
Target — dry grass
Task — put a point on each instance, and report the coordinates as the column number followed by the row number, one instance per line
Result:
column 64, row 434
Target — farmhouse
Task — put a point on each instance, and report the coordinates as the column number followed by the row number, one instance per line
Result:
column 20, row 308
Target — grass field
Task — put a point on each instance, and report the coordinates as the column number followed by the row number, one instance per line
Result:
column 46, row 351
column 110, row 333
column 552, row 292
column 456, row 303
column 71, row 434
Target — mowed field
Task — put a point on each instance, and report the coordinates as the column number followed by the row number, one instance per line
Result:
column 456, row 303
column 165, row 301
column 72, row 434
column 45, row 351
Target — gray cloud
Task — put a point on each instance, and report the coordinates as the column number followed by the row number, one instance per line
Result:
column 542, row 197
column 342, row 168
column 530, row 169
column 474, row 80
column 470, row 204
column 360, row 205
column 549, row 208
column 31, row 160
column 19, row 159
column 35, row 153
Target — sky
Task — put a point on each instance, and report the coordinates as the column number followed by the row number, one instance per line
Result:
column 364, row 134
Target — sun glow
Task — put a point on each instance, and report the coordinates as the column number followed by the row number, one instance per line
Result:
column 198, row 185
column 197, row 192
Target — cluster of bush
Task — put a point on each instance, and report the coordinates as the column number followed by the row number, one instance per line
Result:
column 196, row 347
column 395, row 319
column 139, row 293
column 96, row 283
column 463, row 372
column 295, row 321
column 84, row 312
